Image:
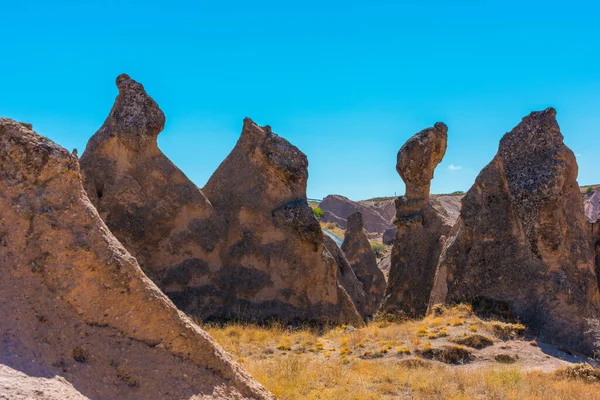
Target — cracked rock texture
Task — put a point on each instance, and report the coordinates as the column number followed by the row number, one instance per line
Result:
column 520, row 247
column 75, row 303
column 247, row 246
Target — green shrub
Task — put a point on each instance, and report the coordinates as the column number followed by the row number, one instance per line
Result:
column 589, row 190
column 318, row 213
column 378, row 248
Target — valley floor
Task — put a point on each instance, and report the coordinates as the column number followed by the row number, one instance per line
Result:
column 450, row 355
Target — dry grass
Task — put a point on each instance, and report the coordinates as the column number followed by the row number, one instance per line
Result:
column 334, row 228
column 377, row 362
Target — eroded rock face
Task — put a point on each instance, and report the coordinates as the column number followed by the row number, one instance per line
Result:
column 158, row 214
column 361, row 257
column 389, row 236
column 75, row 302
column 418, row 158
column 259, row 192
column 421, row 227
column 520, row 243
column 347, row 278
column 247, row 246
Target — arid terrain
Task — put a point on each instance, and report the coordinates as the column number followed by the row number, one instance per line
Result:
column 449, row 355
column 124, row 280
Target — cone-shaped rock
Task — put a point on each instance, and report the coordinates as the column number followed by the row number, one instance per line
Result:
column 357, row 248
column 347, row 278
column 253, row 251
column 520, row 246
column 158, row 214
column 273, row 253
column 75, row 302
column 421, row 228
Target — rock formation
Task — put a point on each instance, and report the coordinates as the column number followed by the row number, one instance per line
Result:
column 375, row 214
column 357, row 249
column 247, row 246
column 385, row 264
column 389, row 236
column 347, row 278
column 75, row 302
column 421, row 228
column 273, row 255
column 520, row 246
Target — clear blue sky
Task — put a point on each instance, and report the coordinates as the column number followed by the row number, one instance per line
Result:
column 348, row 82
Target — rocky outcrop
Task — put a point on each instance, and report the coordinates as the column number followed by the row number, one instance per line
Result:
column 347, row 278
column 358, row 251
column 75, row 302
column 520, row 246
column 158, row 214
column 421, row 228
column 337, row 209
column 385, row 265
column 272, row 236
column 247, row 246
column 389, row 236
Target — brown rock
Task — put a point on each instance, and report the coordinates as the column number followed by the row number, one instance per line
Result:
column 357, row 249
column 421, row 228
column 520, row 244
column 385, row 265
column 418, row 158
column 259, row 192
column 254, row 251
column 389, row 236
column 75, row 302
column 347, row 278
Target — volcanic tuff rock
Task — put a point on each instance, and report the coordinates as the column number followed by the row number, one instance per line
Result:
column 75, row 302
column 272, row 236
column 248, row 246
column 421, row 228
column 389, row 236
column 347, row 278
column 520, row 245
column 337, row 209
column 361, row 257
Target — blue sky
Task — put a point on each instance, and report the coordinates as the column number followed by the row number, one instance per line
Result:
column 347, row 82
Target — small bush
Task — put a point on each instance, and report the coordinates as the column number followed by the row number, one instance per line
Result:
column 447, row 354
column 589, row 190
column 505, row 358
column 583, row 372
column 474, row 341
column 414, row 363
column 80, row 355
column 506, row 331
column 378, row 248
column 318, row 213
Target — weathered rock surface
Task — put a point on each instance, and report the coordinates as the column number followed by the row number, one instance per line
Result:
column 337, row 209
column 247, row 246
column 272, row 236
column 347, row 278
column 520, row 246
column 421, row 228
column 359, row 254
column 75, row 302
column 385, row 265
column 389, row 236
